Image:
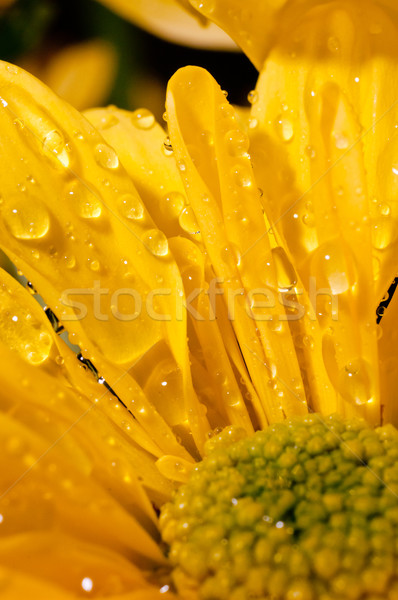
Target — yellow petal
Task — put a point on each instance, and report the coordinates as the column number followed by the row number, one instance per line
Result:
column 252, row 25
column 211, row 153
column 76, row 231
column 173, row 20
column 318, row 131
column 82, row 74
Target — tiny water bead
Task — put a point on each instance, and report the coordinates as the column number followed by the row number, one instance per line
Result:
column 356, row 382
column 106, row 156
column 269, row 516
column 27, row 218
column 156, row 241
column 143, row 118
column 252, row 97
column 131, row 207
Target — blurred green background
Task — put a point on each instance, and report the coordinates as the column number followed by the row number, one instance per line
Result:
column 37, row 29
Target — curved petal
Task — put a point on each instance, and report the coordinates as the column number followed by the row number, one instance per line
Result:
column 322, row 143
column 173, row 20
column 82, row 74
column 74, row 223
column 211, row 152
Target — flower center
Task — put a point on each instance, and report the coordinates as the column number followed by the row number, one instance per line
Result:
column 304, row 510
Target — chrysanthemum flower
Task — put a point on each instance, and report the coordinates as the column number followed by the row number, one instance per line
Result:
column 216, row 280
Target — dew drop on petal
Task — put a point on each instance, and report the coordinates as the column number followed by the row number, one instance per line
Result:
column 242, row 175
column 173, row 204
column 285, row 273
column 284, row 129
column 143, row 118
column 87, row 584
column 84, row 199
column 106, row 156
column 252, row 97
column 188, row 221
column 131, row 207
column 156, row 241
column 384, row 232
column 355, row 382
column 27, row 218
column 54, row 141
column 237, row 142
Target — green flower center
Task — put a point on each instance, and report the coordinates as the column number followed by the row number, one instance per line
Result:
column 305, row 510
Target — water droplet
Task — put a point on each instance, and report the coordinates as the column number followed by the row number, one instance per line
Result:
column 384, row 232
column 87, row 584
column 181, row 165
column 310, row 152
column 107, row 121
column 84, row 199
column 59, row 360
column 231, row 255
column 252, row 97
column 27, row 218
column 253, row 123
column 355, row 382
column 106, row 156
column 173, row 204
column 384, row 209
column 188, row 221
column 54, row 141
column 167, row 147
column 242, row 175
column 309, row 220
column 38, row 351
column 341, row 141
column 333, row 44
column 143, row 118
column 334, row 267
column 206, row 6
column 70, row 262
column 164, row 116
column 19, row 123
column 94, row 265
column 285, row 273
column 131, row 207
column 284, row 129
column 237, row 142
column 156, row 241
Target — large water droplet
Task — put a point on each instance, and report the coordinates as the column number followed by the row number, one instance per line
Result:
column 285, row 273
column 143, row 118
column 242, row 175
column 106, row 156
column 38, row 351
column 131, row 207
column 173, row 204
column 334, row 267
column 188, row 222
column 355, row 382
column 27, row 218
column 156, row 241
column 85, row 201
column 384, row 232
column 284, row 129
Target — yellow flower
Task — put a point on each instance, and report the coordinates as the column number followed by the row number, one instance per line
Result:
column 227, row 275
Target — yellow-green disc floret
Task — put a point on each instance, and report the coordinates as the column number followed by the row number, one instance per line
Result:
column 304, row 510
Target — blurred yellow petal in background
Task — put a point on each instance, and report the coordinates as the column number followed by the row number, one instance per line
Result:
column 173, row 20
